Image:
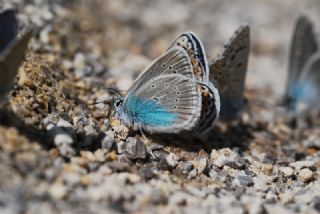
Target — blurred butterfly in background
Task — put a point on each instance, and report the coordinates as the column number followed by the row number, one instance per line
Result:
column 12, row 50
column 303, row 83
column 228, row 73
column 210, row 99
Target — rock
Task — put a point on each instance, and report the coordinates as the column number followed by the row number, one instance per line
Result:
column 62, row 138
column 120, row 132
column 243, row 180
column 107, row 143
column 201, row 165
column 271, row 196
column 260, row 184
column 182, row 198
column 135, row 149
column 287, row 171
column 149, row 173
column 193, row 173
column 196, row 192
column 120, row 147
column 264, row 168
column 217, row 176
column 186, row 167
column 286, row 197
column 305, row 175
column 62, row 134
column 58, row 191
column 253, row 205
column 172, row 160
column 158, row 197
column 303, row 164
column 226, row 157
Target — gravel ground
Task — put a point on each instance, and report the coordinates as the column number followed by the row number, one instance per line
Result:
column 58, row 154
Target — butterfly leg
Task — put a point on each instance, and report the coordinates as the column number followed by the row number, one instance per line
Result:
column 144, row 137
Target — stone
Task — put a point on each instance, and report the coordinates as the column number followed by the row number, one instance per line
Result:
column 201, row 165
column 107, row 142
column 135, row 149
column 226, row 157
column 243, row 180
column 172, row 160
column 302, row 164
column 260, row 184
column 193, row 173
column 287, row 171
column 305, row 175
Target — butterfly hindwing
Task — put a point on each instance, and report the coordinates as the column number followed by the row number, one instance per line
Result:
column 168, row 103
column 193, row 45
column 228, row 72
column 209, row 94
column 307, row 88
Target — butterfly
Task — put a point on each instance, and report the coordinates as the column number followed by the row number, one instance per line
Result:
column 210, row 98
column 304, row 68
column 228, row 72
column 164, row 98
column 12, row 50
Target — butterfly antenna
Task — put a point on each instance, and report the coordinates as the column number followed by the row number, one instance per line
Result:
column 103, row 101
column 113, row 91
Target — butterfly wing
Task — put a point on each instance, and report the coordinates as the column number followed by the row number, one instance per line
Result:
column 194, row 46
column 210, row 97
column 174, row 61
column 303, row 45
column 228, row 72
column 10, row 61
column 167, row 103
column 307, row 88
column 8, row 28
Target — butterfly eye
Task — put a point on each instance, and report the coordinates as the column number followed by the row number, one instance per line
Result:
column 118, row 103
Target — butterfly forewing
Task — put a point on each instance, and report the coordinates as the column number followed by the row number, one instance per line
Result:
column 303, row 45
column 169, row 103
column 175, row 61
column 228, row 72
column 10, row 61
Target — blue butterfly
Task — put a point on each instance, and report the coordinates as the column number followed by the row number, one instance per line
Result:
column 12, row 50
column 228, row 72
column 164, row 98
column 303, row 82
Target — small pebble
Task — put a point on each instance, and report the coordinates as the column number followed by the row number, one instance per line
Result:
column 302, row 164
column 287, row 171
column 135, row 149
column 172, row 160
column 305, row 175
